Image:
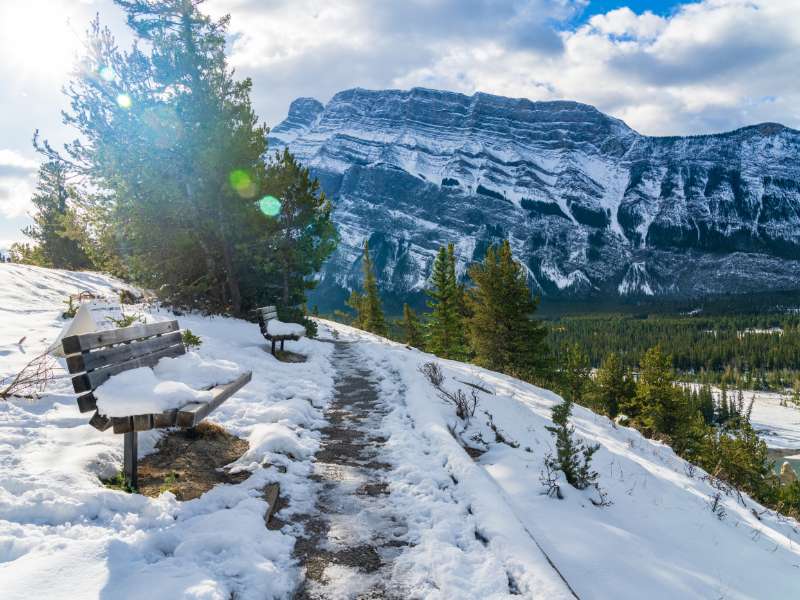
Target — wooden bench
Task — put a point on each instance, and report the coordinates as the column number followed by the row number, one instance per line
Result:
column 92, row 358
column 270, row 313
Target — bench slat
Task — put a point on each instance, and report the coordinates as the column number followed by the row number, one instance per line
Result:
column 142, row 422
column 191, row 414
column 91, row 380
column 90, row 341
column 88, row 361
column 122, row 424
column 165, row 419
column 87, row 403
column 100, row 422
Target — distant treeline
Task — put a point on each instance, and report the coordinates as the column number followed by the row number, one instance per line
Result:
column 762, row 351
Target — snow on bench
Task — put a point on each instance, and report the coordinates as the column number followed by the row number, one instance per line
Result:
column 117, row 369
column 275, row 330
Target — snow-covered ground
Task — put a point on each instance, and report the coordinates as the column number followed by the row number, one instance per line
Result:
column 778, row 426
column 64, row 535
column 659, row 538
column 476, row 529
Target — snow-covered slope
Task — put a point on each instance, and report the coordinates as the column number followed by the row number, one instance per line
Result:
column 659, row 538
column 589, row 204
column 472, row 529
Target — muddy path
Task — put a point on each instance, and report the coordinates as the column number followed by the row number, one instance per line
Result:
column 352, row 538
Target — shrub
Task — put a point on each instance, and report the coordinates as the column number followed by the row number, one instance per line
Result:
column 191, row 340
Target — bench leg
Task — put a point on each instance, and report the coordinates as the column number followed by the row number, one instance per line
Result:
column 273, row 347
column 281, row 345
column 131, row 459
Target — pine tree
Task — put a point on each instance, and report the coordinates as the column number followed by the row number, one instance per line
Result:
column 660, row 405
column 169, row 139
column 367, row 305
column 575, row 374
column 301, row 230
column 614, row 385
column 502, row 332
column 56, row 236
column 573, row 457
column 445, row 327
column 412, row 329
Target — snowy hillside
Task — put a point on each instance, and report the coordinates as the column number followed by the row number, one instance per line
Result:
column 589, row 205
column 462, row 527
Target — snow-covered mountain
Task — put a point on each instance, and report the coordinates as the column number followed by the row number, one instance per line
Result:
column 590, row 205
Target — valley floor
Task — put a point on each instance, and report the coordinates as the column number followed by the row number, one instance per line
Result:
column 379, row 496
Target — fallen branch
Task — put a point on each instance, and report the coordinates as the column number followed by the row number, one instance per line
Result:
column 31, row 381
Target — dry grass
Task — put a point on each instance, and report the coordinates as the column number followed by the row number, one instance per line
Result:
column 189, row 462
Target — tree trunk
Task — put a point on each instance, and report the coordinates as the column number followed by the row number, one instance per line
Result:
column 232, row 280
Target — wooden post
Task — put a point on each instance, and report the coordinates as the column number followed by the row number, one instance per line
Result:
column 131, row 459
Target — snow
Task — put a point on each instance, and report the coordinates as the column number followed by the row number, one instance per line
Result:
column 778, row 426
column 172, row 383
column 195, row 371
column 474, row 529
column 276, row 327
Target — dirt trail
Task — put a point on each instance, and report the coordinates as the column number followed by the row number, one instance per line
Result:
column 354, row 536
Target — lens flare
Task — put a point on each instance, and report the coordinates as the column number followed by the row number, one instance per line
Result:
column 124, row 101
column 241, row 181
column 107, row 74
column 270, row 206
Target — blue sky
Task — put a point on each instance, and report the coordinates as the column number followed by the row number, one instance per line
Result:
column 664, row 67
column 659, row 7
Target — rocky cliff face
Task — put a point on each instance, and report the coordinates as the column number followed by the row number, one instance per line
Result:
column 591, row 207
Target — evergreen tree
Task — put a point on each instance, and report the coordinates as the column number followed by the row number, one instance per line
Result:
column 367, row 305
column 575, row 374
column 445, row 327
column 56, row 236
column 573, row 457
column 502, row 332
column 614, row 385
column 301, row 230
column 659, row 405
column 412, row 329
column 169, row 139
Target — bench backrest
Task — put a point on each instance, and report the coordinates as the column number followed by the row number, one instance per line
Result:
column 266, row 314
column 94, row 357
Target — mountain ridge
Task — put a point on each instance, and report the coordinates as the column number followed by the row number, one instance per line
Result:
column 591, row 206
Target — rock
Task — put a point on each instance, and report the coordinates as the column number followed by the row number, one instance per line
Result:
column 591, row 206
column 787, row 473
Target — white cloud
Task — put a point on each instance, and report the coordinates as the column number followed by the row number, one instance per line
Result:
column 17, row 174
column 709, row 66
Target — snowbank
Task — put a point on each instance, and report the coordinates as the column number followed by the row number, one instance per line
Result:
column 276, row 327
column 140, row 392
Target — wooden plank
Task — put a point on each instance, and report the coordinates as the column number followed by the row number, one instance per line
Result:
column 122, row 424
column 87, row 403
column 91, row 380
column 88, row 361
column 142, row 422
column 90, row 341
column 270, row 494
column 191, row 414
column 100, row 422
column 165, row 419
